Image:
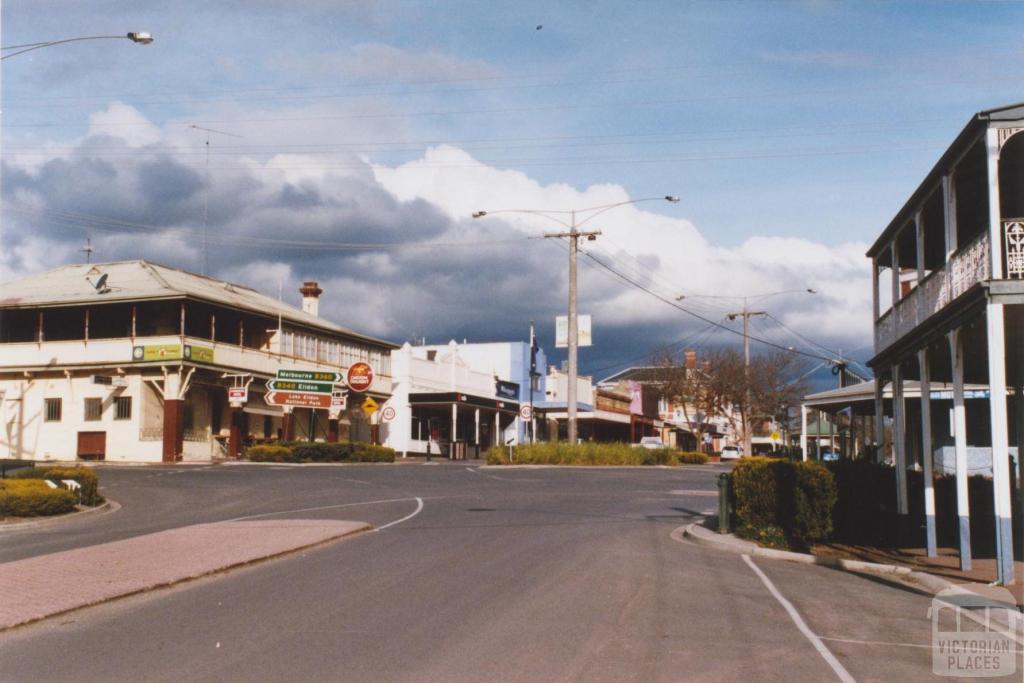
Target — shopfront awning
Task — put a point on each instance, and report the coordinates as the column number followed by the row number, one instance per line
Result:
column 447, row 398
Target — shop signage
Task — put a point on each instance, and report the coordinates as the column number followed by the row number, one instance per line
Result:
column 238, row 394
column 298, row 399
column 157, row 352
column 359, row 376
column 310, row 376
column 198, row 354
column 300, row 387
column 503, row 389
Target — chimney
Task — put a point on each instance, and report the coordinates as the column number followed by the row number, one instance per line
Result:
column 691, row 359
column 311, row 298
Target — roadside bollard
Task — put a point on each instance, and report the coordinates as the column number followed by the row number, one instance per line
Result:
column 723, row 503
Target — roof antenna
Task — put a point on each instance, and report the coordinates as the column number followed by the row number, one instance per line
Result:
column 206, row 193
column 88, row 250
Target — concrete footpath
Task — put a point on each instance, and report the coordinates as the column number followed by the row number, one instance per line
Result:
column 44, row 586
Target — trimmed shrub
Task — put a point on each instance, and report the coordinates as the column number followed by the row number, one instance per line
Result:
column 269, row 454
column 368, row 452
column 28, row 497
column 691, row 458
column 303, row 451
column 85, row 476
column 783, row 502
column 590, row 453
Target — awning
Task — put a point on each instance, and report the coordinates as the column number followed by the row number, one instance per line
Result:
column 447, row 398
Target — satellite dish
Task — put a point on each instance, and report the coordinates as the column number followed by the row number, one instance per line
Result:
column 101, row 284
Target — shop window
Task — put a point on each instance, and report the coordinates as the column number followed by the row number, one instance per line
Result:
column 123, row 408
column 53, row 410
column 93, row 409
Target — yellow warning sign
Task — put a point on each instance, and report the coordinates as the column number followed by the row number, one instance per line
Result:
column 369, row 406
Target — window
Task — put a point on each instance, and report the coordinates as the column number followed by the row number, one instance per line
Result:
column 93, row 409
column 123, row 408
column 53, row 409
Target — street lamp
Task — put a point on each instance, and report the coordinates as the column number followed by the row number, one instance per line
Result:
column 140, row 37
column 574, row 234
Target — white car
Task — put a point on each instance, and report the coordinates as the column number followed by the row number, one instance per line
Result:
column 730, row 453
column 652, row 442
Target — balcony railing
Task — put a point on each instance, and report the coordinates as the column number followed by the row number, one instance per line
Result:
column 966, row 268
column 118, row 352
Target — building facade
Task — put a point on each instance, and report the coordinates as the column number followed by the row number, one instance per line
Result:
column 460, row 400
column 133, row 361
column 948, row 285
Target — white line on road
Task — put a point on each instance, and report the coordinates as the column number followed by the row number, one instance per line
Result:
column 419, row 508
column 324, row 507
column 884, row 643
column 825, row 653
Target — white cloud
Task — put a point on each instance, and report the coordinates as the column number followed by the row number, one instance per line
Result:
column 125, row 122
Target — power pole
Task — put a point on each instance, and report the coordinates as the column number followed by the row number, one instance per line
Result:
column 746, row 314
column 533, row 378
column 570, row 392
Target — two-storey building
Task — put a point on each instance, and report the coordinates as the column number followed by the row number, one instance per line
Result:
column 948, row 282
column 133, row 361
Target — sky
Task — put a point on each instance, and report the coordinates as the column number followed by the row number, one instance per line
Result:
column 268, row 142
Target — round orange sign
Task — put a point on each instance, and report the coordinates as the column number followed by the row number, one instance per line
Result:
column 359, row 377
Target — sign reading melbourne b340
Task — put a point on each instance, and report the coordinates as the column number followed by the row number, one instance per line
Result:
column 310, row 376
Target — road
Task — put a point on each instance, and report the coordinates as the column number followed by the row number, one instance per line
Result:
column 552, row 574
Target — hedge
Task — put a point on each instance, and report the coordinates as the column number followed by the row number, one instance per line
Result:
column 302, row 451
column 27, row 497
column 783, row 503
column 591, row 453
column 85, row 476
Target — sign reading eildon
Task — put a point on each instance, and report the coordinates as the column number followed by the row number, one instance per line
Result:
column 299, row 387
column 359, row 377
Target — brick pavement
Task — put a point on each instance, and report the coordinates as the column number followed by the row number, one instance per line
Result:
column 40, row 587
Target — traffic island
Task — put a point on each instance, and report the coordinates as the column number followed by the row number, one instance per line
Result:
column 53, row 584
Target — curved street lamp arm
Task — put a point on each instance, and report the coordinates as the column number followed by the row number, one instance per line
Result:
column 609, row 207
column 135, row 37
column 547, row 213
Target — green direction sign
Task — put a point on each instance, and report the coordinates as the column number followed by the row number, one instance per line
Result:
column 300, row 387
column 310, row 376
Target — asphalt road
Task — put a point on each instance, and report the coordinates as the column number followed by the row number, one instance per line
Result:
column 503, row 575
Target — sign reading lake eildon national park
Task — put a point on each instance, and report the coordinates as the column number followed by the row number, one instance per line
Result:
column 359, row 376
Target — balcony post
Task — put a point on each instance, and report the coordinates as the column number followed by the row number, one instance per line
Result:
column 875, row 303
column 949, row 214
column 899, row 440
column 963, row 506
column 995, row 222
column 894, row 255
column 1000, row 442
column 879, row 418
column 926, row 451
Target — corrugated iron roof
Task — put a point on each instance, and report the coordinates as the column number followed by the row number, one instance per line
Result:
column 140, row 280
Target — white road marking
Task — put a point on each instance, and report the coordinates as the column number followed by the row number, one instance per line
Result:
column 323, row 507
column 825, row 653
column 419, row 508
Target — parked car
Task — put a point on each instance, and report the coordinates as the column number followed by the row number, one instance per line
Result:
column 652, row 442
column 830, row 455
column 730, row 453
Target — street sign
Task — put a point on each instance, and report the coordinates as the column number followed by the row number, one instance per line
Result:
column 238, row 394
column 310, row 376
column 525, row 412
column 298, row 399
column 359, row 376
column 303, row 387
column 339, row 400
column 369, row 406
column 388, row 414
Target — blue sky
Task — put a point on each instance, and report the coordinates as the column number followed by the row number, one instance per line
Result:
column 792, row 131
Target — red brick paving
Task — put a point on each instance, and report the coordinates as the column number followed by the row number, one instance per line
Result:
column 43, row 586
